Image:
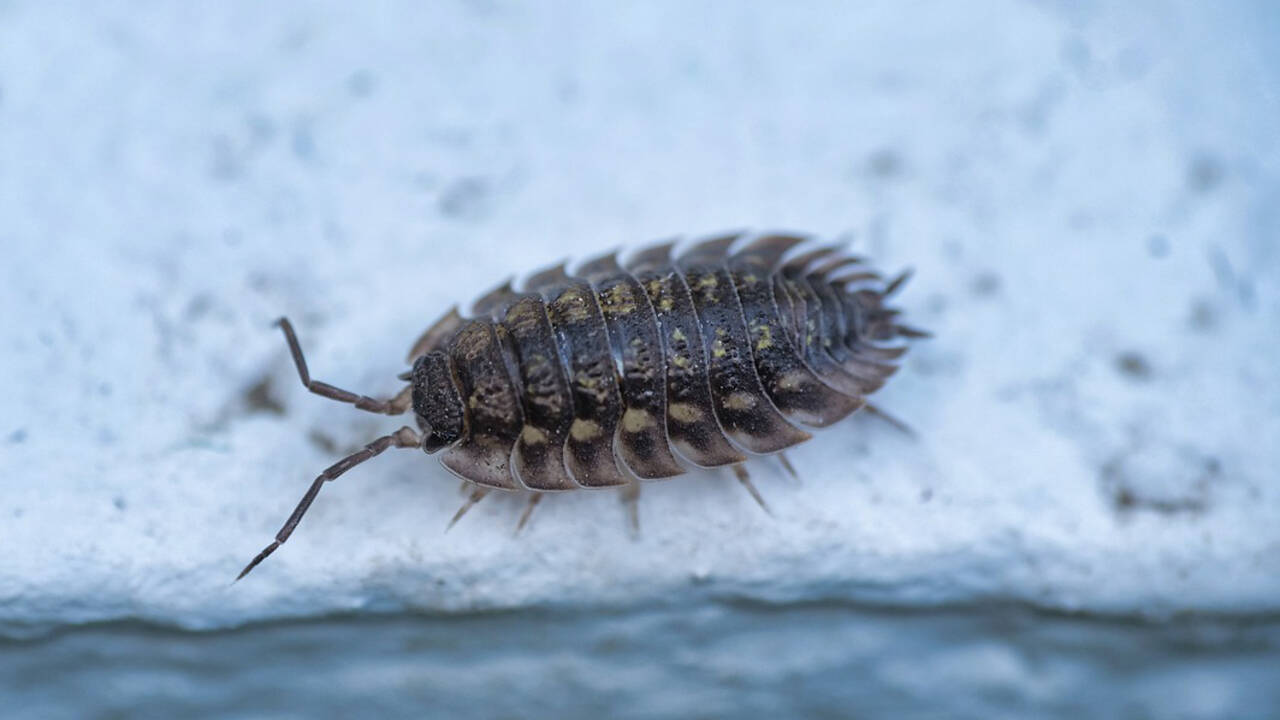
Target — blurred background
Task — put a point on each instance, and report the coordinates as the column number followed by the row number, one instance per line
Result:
column 1086, row 524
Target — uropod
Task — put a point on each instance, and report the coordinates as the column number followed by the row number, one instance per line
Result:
column 618, row 372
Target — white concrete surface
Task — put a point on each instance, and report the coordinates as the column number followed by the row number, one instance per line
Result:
column 1087, row 193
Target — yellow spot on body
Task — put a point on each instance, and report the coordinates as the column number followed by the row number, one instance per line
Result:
column 707, row 284
column 750, row 279
column 666, row 304
column 717, row 347
column 532, row 435
column 684, row 412
column 634, row 421
column 584, row 430
column 678, row 335
column 680, row 361
column 793, row 381
column 573, row 306
column 740, row 401
column 765, row 340
column 618, row 301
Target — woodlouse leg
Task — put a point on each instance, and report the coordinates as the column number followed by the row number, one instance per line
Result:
column 476, row 496
column 394, row 406
column 740, row 472
column 631, row 498
column 534, row 499
column 786, row 465
column 403, row 438
column 899, row 425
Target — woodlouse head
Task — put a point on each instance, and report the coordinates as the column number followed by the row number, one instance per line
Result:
column 436, row 403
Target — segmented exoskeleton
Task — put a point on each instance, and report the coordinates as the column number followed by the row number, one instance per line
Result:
column 616, row 372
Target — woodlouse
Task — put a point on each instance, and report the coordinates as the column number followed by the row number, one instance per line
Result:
column 622, row 372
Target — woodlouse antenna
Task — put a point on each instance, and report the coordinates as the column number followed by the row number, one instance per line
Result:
column 403, row 438
column 395, row 406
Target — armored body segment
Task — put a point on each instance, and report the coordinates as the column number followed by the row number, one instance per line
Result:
column 637, row 349
column 437, row 335
column 712, row 251
column 437, row 406
column 494, row 303
column 795, row 390
column 548, row 279
column 600, row 267
column 492, row 405
column 547, row 402
column 691, row 419
column 597, row 406
column 744, row 410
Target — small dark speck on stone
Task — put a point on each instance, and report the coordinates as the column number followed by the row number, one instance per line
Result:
column 985, row 284
column 464, row 199
column 323, row 441
column 1158, row 246
column 303, row 143
column 1133, row 365
column 119, row 503
column 1125, row 499
column 197, row 307
column 1205, row 173
column 360, row 84
column 261, row 398
column 1203, row 316
column 225, row 165
column 18, row 436
column 885, row 164
column 926, row 495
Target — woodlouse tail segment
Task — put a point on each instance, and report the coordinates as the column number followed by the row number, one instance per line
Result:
column 395, row 406
column 403, row 438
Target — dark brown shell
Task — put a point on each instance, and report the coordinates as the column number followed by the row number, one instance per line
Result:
column 614, row 372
